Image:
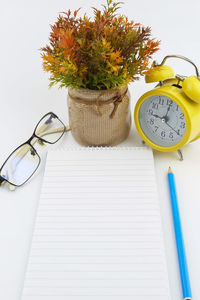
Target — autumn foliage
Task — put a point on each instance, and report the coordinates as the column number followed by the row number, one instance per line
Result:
column 101, row 53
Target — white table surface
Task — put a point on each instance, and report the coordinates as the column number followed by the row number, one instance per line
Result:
column 25, row 97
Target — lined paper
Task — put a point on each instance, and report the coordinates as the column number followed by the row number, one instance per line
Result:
column 98, row 230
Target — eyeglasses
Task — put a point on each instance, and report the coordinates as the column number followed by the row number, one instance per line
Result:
column 23, row 162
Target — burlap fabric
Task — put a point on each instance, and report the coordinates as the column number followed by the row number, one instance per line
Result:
column 99, row 118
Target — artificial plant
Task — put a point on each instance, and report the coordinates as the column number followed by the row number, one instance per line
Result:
column 101, row 53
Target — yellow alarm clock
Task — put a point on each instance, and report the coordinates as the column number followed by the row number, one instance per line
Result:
column 168, row 117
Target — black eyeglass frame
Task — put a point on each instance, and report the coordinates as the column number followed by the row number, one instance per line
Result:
column 28, row 142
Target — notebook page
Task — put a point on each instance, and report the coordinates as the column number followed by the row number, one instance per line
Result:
column 98, row 231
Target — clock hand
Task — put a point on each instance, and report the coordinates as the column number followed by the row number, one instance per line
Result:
column 163, row 118
column 156, row 116
column 172, row 128
column 164, row 121
column 167, row 111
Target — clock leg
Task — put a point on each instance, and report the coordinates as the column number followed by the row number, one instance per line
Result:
column 180, row 154
column 143, row 142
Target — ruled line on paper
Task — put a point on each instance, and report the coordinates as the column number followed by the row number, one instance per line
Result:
column 98, row 233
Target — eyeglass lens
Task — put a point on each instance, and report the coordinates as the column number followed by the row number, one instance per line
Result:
column 50, row 128
column 21, row 165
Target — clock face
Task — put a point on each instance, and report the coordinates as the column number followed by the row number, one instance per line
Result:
column 162, row 121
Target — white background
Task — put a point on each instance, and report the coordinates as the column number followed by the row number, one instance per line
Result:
column 25, row 97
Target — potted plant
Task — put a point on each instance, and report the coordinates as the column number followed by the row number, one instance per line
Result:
column 96, row 59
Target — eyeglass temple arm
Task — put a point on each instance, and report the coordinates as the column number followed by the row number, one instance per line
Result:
column 67, row 128
column 41, row 132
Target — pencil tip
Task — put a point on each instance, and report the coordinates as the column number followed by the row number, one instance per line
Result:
column 169, row 170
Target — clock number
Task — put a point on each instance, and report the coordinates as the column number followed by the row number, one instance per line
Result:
column 161, row 101
column 151, row 121
column 182, row 125
column 171, row 135
column 155, row 105
column 181, row 116
column 177, row 107
column 163, row 133
column 150, row 112
column 169, row 102
column 156, row 128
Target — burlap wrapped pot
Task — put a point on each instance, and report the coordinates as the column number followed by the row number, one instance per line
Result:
column 99, row 118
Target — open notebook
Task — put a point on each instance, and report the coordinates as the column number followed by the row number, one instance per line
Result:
column 98, row 231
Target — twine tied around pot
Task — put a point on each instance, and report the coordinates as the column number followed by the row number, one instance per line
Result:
column 116, row 100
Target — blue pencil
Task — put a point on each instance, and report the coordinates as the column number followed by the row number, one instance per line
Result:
column 184, row 274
